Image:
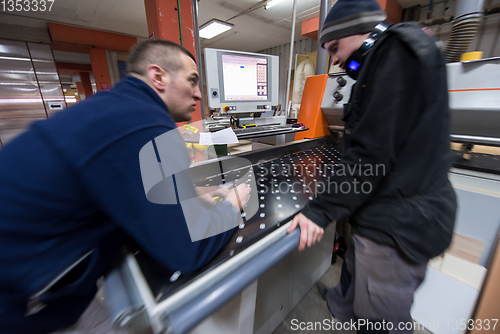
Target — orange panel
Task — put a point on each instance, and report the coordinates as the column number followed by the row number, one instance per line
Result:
column 310, row 28
column 82, row 36
column 100, row 68
column 312, row 35
column 310, row 108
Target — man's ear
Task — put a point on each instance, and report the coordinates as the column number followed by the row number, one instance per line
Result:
column 157, row 76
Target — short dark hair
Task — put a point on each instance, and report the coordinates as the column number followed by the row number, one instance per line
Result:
column 156, row 51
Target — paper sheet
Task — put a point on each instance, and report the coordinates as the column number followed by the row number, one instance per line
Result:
column 226, row 136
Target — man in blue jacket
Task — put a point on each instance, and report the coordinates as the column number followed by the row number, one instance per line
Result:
column 71, row 188
column 397, row 147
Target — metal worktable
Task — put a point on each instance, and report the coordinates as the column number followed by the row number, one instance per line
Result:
column 143, row 294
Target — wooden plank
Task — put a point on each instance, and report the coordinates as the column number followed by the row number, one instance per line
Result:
column 466, row 248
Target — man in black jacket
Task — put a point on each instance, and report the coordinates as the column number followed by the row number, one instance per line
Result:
column 397, row 151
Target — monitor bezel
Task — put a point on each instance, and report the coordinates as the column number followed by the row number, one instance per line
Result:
column 217, row 99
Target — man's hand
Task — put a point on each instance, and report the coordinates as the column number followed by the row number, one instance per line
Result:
column 207, row 194
column 239, row 196
column 309, row 231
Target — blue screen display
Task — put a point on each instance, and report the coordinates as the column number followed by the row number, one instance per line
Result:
column 353, row 65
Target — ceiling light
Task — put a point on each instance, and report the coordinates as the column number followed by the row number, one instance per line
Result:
column 272, row 3
column 213, row 28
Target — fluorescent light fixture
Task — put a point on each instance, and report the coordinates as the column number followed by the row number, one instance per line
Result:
column 213, row 28
column 272, row 3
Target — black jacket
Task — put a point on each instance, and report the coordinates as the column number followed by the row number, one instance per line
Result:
column 396, row 149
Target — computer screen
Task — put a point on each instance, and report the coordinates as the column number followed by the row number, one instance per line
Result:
column 245, row 78
column 241, row 81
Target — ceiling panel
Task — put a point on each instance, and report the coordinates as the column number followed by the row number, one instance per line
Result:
column 259, row 29
column 256, row 30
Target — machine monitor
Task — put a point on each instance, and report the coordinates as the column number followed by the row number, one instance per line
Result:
column 240, row 82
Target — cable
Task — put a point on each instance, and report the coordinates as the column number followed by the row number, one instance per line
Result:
column 180, row 21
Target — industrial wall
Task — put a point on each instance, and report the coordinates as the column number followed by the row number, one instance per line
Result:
column 303, row 46
column 30, row 88
column 438, row 18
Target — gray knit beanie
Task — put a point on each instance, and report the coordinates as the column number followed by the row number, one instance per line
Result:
column 350, row 17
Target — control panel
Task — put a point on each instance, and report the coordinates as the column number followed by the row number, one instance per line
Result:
column 228, row 108
column 262, row 107
column 337, row 92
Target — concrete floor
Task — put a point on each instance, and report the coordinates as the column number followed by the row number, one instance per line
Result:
column 313, row 309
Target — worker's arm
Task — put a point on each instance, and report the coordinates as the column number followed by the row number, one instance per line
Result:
column 113, row 179
column 378, row 126
column 310, row 233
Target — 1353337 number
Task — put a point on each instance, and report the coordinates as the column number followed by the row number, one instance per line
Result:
column 26, row 5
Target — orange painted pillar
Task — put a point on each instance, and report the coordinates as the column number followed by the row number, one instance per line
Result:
column 86, row 85
column 100, row 68
column 81, row 92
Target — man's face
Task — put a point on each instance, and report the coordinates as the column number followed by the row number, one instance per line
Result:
column 182, row 91
column 341, row 49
